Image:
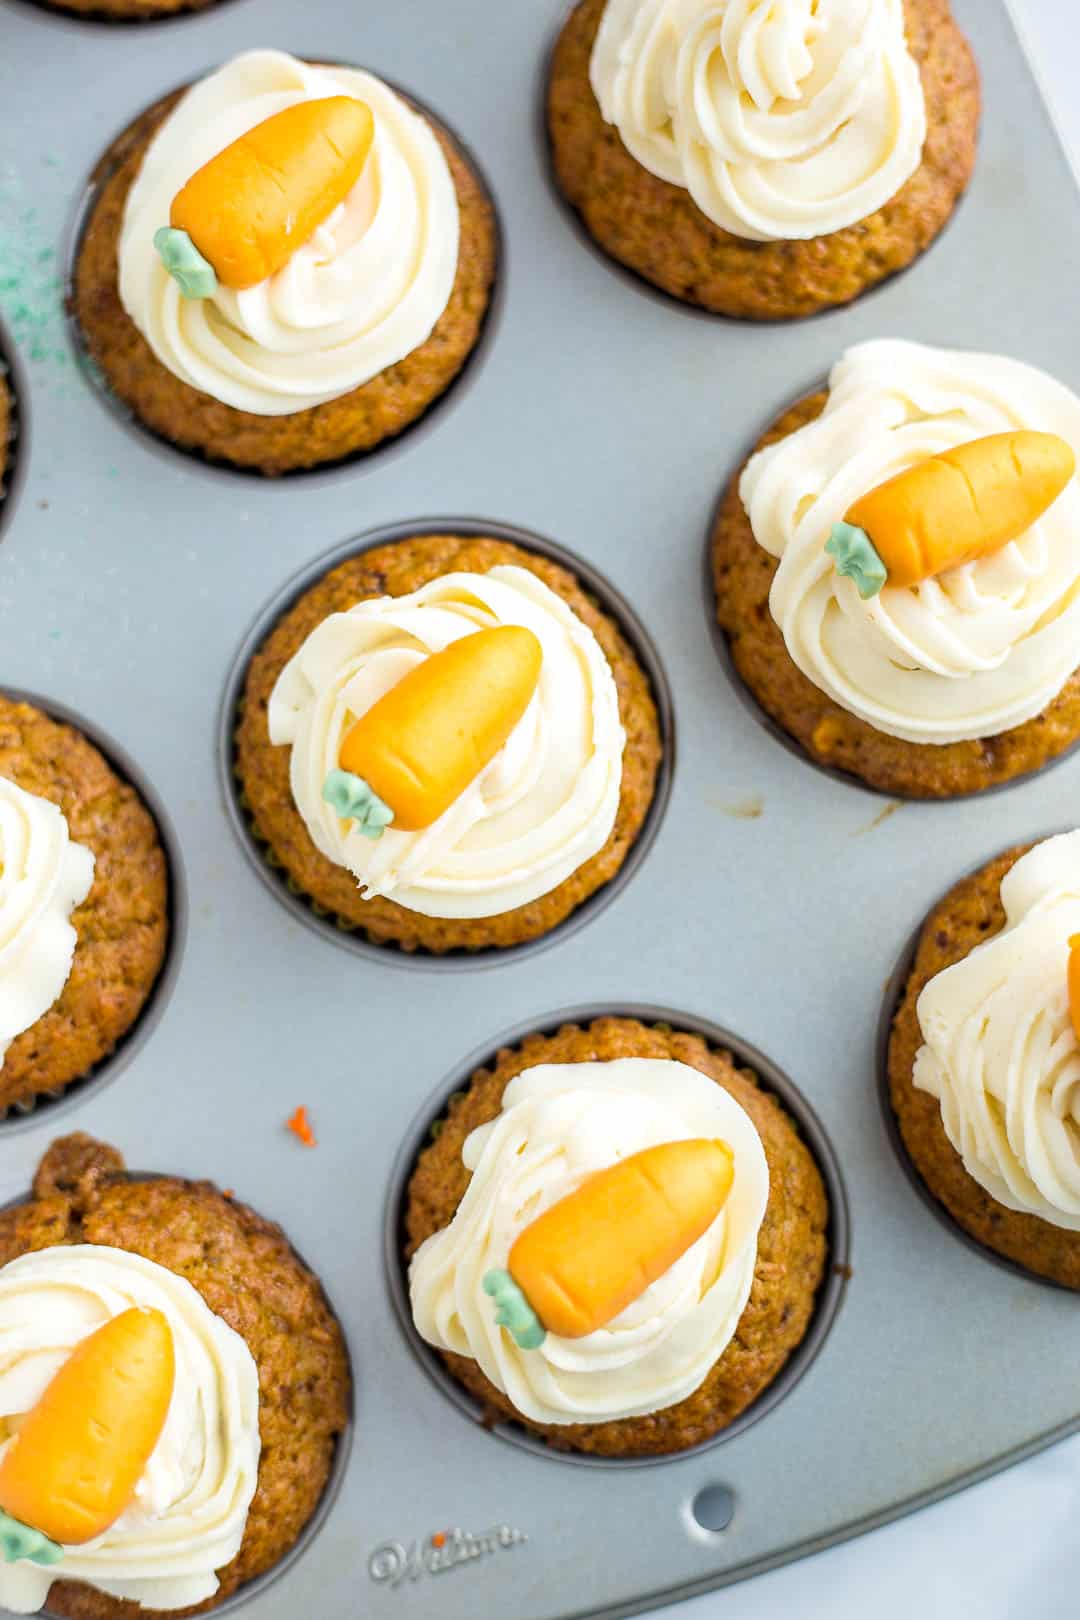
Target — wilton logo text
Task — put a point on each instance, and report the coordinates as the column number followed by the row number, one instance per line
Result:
column 393, row 1562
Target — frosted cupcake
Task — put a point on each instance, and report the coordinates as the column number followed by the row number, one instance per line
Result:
column 948, row 665
column 616, row 1239
column 288, row 264
column 763, row 159
column 446, row 745
column 84, row 906
column 172, row 1391
column 984, row 1061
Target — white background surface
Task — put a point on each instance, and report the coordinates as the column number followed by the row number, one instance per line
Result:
column 1010, row 1547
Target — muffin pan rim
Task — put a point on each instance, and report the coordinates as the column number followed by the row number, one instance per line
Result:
column 613, row 602
column 48, row 1107
column 357, row 461
column 773, row 1080
column 892, row 996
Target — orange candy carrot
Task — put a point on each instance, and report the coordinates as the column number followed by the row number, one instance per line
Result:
column 255, row 203
column 950, row 509
column 597, row 1250
column 418, row 748
column 1074, row 983
column 73, row 1467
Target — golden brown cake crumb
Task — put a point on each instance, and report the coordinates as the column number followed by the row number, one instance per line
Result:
column 970, row 914
column 248, row 1274
column 656, row 229
column 357, row 421
column 791, row 1244
column 395, row 570
column 743, row 574
column 122, row 926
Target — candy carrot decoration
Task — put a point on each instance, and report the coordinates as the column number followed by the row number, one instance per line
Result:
column 593, row 1253
column 1074, row 983
column 950, row 509
column 244, row 214
column 73, row 1466
column 418, row 748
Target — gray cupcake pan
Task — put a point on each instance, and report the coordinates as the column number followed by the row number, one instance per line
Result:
column 773, row 903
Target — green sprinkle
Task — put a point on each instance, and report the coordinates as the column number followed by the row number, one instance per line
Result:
column 513, row 1311
column 194, row 275
column 353, row 800
column 854, row 555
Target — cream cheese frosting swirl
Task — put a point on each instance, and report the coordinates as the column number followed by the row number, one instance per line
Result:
column 366, row 290
column 190, row 1507
column 1000, row 1054
column 783, row 119
column 559, row 1124
column 978, row 649
column 43, row 877
column 545, row 804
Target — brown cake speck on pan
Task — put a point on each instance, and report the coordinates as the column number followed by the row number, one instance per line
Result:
column 122, row 926
column 743, row 574
column 357, row 421
column 396, row 569
column 656, row 229
column 791, row 1245
column 969, row 915
column 247, row 1272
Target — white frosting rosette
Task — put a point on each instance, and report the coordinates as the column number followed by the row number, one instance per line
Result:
column 973, row 652
column 366, row 290
column 559, row 1124
column 784, row 119
column 190, row 1506
column 43, row 877
column 1000, row 1054
column 546, row 803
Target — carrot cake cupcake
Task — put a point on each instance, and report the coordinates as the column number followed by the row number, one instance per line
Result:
column 172, row 1391
column 763, row 159
column 84, row 906
column 286, row 264
column 616, row 1239
column 897, row 570
column 127, row 10
column 445, row 744
column 984, row 1060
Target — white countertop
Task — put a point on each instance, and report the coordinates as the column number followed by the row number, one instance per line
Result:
column 1007, row 1547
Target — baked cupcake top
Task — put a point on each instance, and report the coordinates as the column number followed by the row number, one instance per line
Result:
column 520, row 762
column 550, row 1185
column 969, row 651
column 367, row 271
column 783, row 120
column 44, row 875
column 196, row 1387
column 1002, row 1051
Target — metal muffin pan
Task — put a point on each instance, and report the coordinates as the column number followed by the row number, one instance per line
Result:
column 324, row 922
column 16, row 451
column 773, row 902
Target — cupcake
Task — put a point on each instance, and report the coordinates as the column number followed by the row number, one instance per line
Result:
column 984, row 1057
column 286, row 264
column 446, row 745
column 758, row 159
column 126, row 10
column 180, row 1386
column 615, row 1239
column 947, row 664
column 84, row 906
